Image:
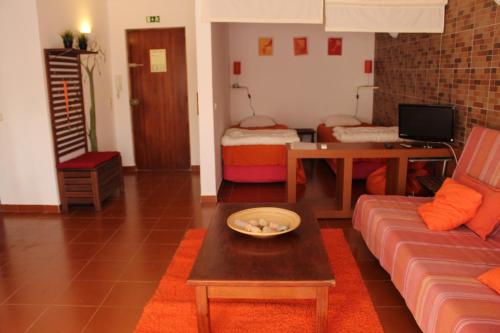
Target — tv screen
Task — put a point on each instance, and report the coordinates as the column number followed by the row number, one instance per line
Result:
column 433, row 123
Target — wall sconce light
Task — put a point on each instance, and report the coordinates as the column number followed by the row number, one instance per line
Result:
column 358, row 88
column 85, row 28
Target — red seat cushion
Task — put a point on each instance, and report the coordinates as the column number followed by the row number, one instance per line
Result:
column 88, row 160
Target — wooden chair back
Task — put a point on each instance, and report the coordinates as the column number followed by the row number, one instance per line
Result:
column 67, row 111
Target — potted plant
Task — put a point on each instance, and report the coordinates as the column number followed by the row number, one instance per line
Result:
column 82, row 41
column 67, row 37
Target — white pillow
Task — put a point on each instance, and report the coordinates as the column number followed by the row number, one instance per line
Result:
column 257, row 121
column 341, row 120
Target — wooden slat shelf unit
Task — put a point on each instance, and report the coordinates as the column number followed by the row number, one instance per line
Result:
column 69, row 133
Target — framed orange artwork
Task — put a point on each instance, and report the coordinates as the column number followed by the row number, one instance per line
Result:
column 265, row 46
column 300, row 45
column 335, row 46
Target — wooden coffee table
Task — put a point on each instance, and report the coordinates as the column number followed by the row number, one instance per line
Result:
column 236, row 266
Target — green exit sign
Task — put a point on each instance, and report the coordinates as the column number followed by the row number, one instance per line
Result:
column 153, row 19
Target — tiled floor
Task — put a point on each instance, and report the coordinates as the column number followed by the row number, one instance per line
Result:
column 93, row 272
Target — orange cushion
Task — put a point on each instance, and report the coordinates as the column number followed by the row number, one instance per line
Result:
column 89, row 160
column 491, row 278
column 488, row 215
column 453, row 205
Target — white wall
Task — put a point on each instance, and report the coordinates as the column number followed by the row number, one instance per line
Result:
column 208, row 178
column 221, row 90
column 130, row 14
column 56, row 16
column 299, row 90
column 27, row 172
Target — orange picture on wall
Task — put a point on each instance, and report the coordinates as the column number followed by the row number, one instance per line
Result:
column 335, row 46
column 265, row 46
column 300, row 45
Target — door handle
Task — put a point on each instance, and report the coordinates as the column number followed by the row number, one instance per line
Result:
column 134, row 102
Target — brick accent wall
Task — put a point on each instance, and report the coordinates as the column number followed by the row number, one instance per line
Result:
column 459, row 67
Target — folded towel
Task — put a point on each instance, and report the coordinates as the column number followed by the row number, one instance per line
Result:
column 244, row 137
column 367, row 134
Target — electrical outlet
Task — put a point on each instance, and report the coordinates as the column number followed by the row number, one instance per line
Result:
column 1, row 117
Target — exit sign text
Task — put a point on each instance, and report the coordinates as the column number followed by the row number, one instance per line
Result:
column 153, row 19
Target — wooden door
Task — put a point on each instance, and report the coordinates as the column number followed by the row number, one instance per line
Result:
column 158, row 98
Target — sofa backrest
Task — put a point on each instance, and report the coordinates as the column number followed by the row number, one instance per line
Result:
column 481, row 156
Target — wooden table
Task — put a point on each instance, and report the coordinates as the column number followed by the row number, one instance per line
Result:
column 236, row 266
column 397, row 166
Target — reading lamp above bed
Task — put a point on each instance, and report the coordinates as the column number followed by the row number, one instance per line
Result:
column 237, row 86
column 357, row 96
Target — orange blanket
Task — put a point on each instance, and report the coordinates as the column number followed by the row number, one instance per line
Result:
column 260, row 155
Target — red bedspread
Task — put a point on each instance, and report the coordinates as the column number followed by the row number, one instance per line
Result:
column 258, row 163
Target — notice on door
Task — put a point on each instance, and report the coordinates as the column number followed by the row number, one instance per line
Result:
column 158, row 60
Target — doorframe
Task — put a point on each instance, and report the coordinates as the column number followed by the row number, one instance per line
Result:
column 129, row 87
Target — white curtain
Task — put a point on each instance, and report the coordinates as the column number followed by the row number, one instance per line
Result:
column 385, row 15
column 263, row 11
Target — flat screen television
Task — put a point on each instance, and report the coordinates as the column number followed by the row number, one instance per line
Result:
column 429, row 123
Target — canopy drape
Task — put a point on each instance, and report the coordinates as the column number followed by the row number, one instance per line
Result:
column 396, row 16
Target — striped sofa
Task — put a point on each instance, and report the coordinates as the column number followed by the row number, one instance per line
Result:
column 436, row 272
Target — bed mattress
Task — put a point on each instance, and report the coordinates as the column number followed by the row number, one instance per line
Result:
column 362, row 167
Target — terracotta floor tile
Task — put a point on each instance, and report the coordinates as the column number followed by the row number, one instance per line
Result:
column 130, row 235
column 114, row 320
column 84, row 293
column 82, row 250
column 397, row 319
column 117, row 252
column 102, row 270
column 37, row 292
column 106, row 223
column 94, row 236
column 131, row 294
column 7, row 288
column 67, row 319
column 383, row 293
column 144, row 271
column 177, row 211
column 371, row 270
column 17, row 318
column 174, row 223
column 165, row 236
column 154, row 252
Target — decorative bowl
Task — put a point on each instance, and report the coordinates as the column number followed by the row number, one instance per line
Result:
column 271, row 214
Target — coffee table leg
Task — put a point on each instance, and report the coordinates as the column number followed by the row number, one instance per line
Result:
column 202, row 311
column 321, row 309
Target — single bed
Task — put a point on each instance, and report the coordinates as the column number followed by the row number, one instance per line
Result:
column 362, row 167
column 259, row 162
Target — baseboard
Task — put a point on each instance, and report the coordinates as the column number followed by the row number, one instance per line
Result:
column 41, row 209
column 208, row 199
column 129, row 169
column 195, row 168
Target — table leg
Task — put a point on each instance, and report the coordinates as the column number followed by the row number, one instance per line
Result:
column 202, row 310
column 321, row 309
column 291, row 181
column 344, row 184
column 397, row 169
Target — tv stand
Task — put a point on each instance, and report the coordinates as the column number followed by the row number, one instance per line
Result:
column 422, row 144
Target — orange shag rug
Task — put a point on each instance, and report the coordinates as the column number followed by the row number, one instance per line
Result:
column 172, row 307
